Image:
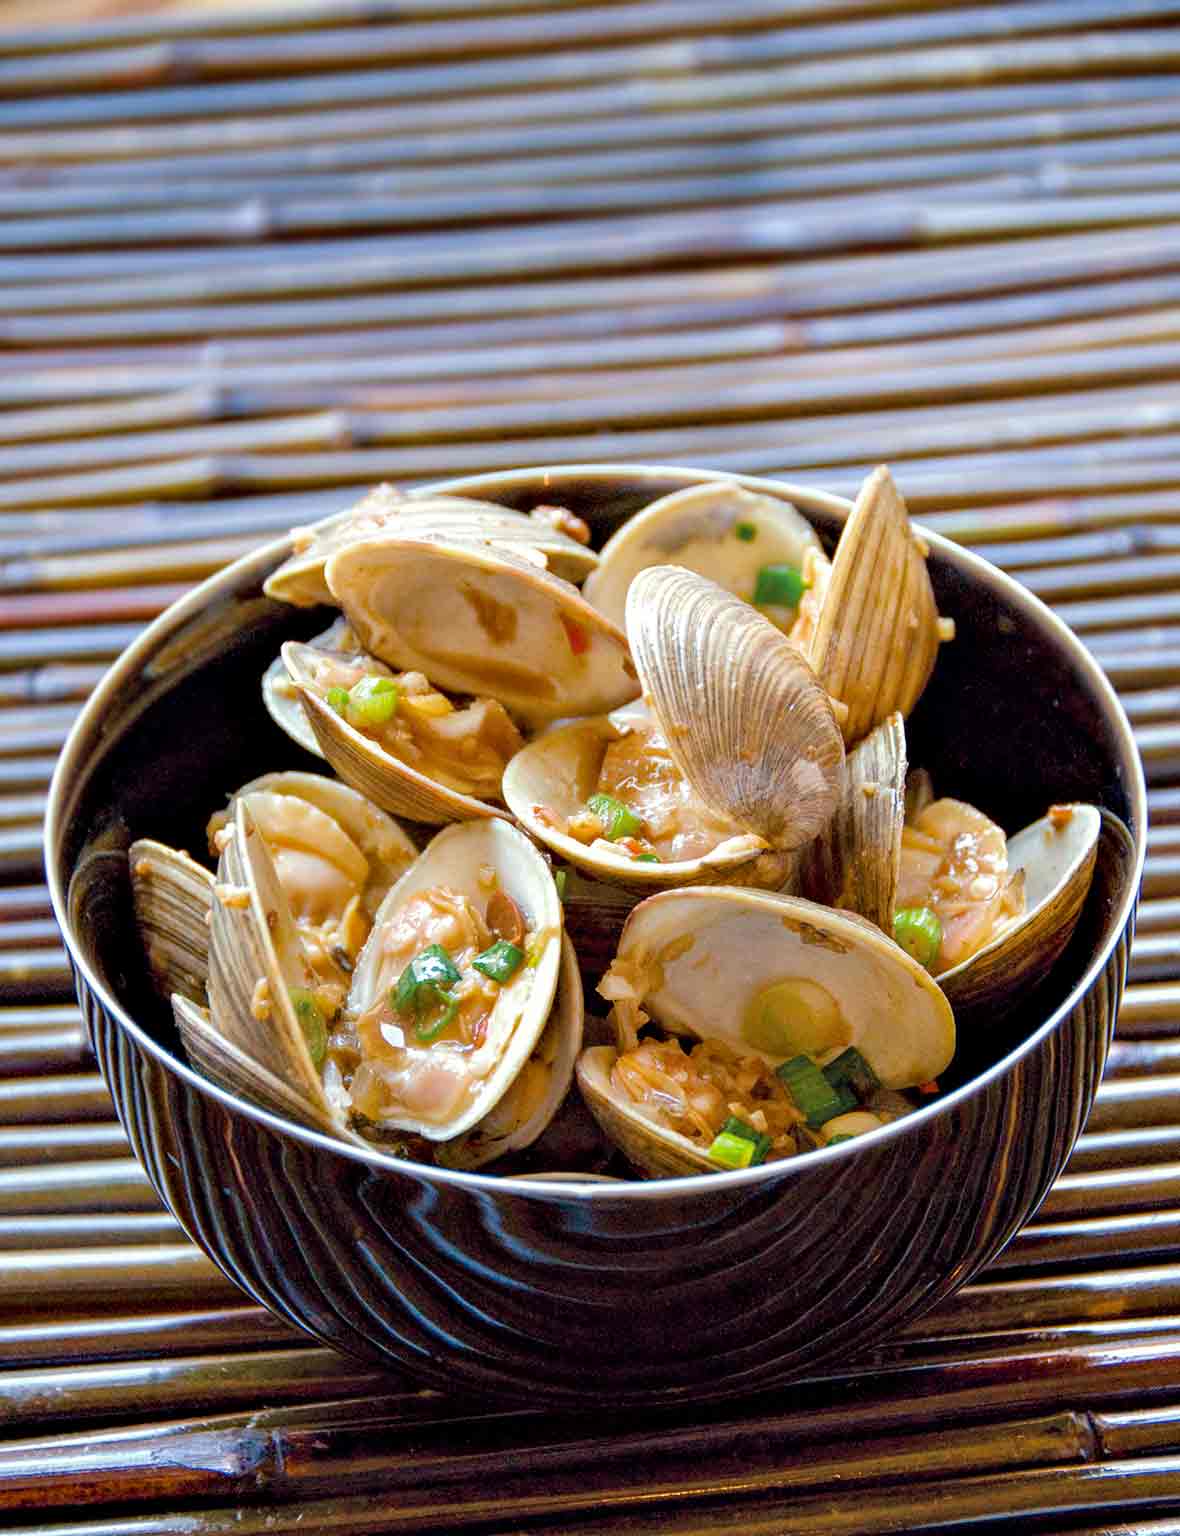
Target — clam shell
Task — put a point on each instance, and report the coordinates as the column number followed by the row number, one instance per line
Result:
column 697, row 958
column 505, row 1129
column 482, row 621
column 384, row 844
column 171, row 895
column 300, row 579
column 395, row 786
column 1058, row 855
column 705, row 951
column 877, row 634
column 695, row 528
column 455, row 857
column 558, row 771
column 745, row 719
column 855, row 861
column 281, row 697
column 255, row 958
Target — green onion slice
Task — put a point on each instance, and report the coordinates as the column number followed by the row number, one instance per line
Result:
column 919, row 932
column 735, row 1127
column 431, row 967
column 747, row 532
column 338, row 700
column 731, row 1151
column 618, row 820
column 559, row 881
column 850, row 1070
column 429, row 1030
column 372, row 700
column 779, row 585
column 312, row 1023
column 647, row 858
column 816, row 1097
column 501, row 962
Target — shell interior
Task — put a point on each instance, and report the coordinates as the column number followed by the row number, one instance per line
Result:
column 171, row 895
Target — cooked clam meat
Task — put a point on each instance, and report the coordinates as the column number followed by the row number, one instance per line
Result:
column 465, row 747
column 955, row 892
column 643, row 805
column 441, row 967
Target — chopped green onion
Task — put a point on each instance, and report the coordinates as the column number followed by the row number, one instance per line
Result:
column 811, row 1091
column 432, row 968
column 731, row 1151
column 312, row 1023
column 372, row 700
column 839, row 1137
column 919, row 933
column 428, row 1031
column 735, row 1127
column 501, row 962
column 618, row 820
column 852, row 1071
column 747, row 532
column 559, row 882
column 647, row 858
column 338, row 700
column 779, row 585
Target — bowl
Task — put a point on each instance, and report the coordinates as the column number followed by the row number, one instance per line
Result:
column 573, row 1293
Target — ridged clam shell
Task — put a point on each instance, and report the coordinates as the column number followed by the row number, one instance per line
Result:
column 457, row 857
column 480, row 620
column 855, row 862
column 171, row 894
column 695, row 528
column 558, row 771
column 255, row 958
column 396, row 787
column 300, row 578
column 744, row 717
column 280, row 696
column 1058, row 861
column 561, row 1040
column 655, row 1150
column 877, row 634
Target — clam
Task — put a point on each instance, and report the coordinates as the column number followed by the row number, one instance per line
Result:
column 539, row 1089
column 718, row 530
column 877, row 631
column 171, row 895
column 480, row 620
column 453, row 990
column 1006, row 907
column 734, row 763
column 281, row 696
column 429, row 760
column 300, row 578
column 855, row 861
column 753, row 980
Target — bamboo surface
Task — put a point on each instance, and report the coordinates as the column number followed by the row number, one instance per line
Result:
column 253, row 259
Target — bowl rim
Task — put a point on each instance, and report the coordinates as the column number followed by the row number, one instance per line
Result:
column 256, row 563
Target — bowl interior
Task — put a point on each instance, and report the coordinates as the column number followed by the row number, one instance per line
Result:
column 1015, row 718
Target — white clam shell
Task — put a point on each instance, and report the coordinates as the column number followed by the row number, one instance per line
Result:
column 300, row 578
column 482, row 621
column 171, row 894
column 455, row 858
column 696, row 528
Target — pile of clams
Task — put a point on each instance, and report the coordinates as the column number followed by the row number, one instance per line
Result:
column 679, row 764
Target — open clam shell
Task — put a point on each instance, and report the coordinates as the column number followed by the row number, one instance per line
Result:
column 539, row 1089
column 482, row 621
column 472, row 860
column 281, row 697
column 300, row 578
column 855, row 861
column 696, row 959
column 397, row 786
column 877, row 632
column 744, row 717
column 256, row 960
column 171, row 895
column 1058, row 855
column 718, row 530
column 550, row 780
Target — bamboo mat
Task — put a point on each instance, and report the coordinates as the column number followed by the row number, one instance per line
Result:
column 252, row 258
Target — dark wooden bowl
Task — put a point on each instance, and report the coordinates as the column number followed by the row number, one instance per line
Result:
column 610, row 1293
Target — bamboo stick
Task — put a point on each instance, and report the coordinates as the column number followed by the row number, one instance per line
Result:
column 71, row 643
column 46, row 1050
column 1136, row 1058
column 1124, row 1147
column 64, row 1279
column 22, row 901
column 35, row 973
column 22, row 1146
column 142, row 1334
column 118, row 1185
column 1150, row 1011
column 38, row 1233
column 58, row 1100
